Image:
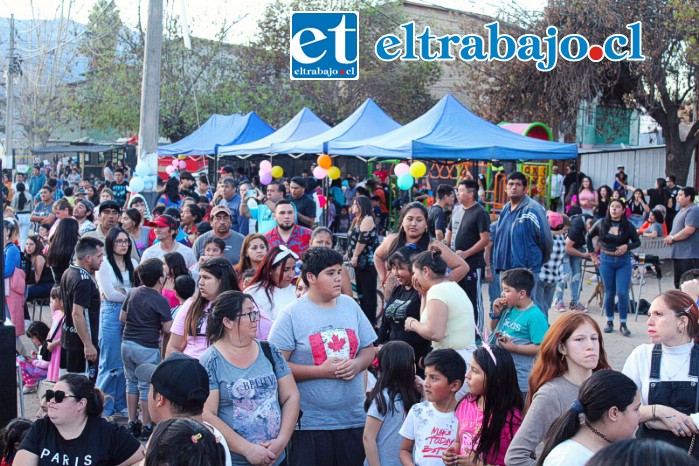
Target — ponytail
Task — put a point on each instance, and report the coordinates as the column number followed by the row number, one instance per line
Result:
column 432, row 259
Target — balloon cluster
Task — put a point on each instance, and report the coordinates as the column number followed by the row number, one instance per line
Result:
column 268, row 172
column 407, row 173
column 325, row 168
column 176, row 166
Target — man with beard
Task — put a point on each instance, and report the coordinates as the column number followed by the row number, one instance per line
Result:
column 523, row 235
column 108, row 218
column 83, row 213
column 287, row 232
column 220, row 219
column 265, row 212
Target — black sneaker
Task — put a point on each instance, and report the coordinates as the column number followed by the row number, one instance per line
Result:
column 610, row 327
column 147, row 431
column 135, row 427
column 624, row 330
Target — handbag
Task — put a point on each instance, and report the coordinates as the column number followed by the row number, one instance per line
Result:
column 44, row 352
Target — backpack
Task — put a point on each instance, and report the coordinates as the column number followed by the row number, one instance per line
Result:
column 267, row 351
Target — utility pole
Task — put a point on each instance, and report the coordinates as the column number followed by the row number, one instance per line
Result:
column 150, row 84
column 9, row 114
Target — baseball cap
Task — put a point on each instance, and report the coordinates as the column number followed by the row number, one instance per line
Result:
column 555, row 219
column 80, row 191
column 226, row 169
column 164, row 221
column 179, row 378
column 219, row 209
column 619, row 166
column 88, row 204
column 109, row 205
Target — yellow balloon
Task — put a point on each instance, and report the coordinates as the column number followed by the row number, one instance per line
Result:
column 181, row 157
column 277, row 171
column 334, row 173
column 418, row 169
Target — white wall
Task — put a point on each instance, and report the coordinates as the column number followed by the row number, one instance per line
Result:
column 643, row 166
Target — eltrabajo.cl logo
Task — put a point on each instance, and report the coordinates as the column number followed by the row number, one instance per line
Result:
column 324, row 45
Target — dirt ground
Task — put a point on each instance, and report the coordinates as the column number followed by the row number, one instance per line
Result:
column 617, row 346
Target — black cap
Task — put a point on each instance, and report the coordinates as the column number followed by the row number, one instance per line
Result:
column 109, row 205
column 179, row 378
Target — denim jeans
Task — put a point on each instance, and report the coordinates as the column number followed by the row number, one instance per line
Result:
column 543, row 295
column 110, row 376
column 575, row 263
column 494, row 290
column 134, row 355
column 616, row 276
column 563, row 283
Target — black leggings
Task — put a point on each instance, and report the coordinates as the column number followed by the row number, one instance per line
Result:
column 366, row 289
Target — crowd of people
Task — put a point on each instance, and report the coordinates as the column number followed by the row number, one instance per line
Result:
column 222, row 323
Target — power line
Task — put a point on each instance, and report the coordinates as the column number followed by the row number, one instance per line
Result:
column 87, row 28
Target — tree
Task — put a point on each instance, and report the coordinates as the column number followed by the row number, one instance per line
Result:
column 260, row 79
column 191, row 81
column 660, row 85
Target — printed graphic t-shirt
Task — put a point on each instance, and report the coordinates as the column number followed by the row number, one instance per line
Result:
column 313, row 334
column 433, row 432
column 101, row 443
column 248, row 397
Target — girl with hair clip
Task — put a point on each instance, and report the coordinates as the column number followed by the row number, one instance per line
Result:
column 253, row 400
column 188, row 331
column 413, row 230
column 115, row 279
column 403, row 303
column 606, row 411
column 446, row 313
column 570, row 352
column 74, row 431
column 667, row 370
column 390, row 400
column 271, row 287
column 11, row 437
column 183, row 442
column 491, row 413
column 15, row 278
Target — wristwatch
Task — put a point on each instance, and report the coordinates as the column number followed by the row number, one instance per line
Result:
column 672, row 238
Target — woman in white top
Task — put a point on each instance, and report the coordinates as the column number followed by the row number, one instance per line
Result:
column 667, row 370
column 271, row 287
column 446, row 313
column 606, row 411
column 114, row 278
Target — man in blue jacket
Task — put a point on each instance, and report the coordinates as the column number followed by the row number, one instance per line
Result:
column 523, row 235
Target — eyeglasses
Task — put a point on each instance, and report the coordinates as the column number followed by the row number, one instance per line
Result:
column 254, row 316
column 58, row 396
column 121, row 241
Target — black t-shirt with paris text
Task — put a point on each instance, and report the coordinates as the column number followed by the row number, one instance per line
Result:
column 79, row 288
column 101, row 443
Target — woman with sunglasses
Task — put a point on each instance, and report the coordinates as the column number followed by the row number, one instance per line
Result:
column 271, row 287
column 253, row 400
column 188, row 332
column 74, row 431
column 666, row 371
column 115, row 278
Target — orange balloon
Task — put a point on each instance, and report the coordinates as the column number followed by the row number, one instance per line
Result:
column 324, row 161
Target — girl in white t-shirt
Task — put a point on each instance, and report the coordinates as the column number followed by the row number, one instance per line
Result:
column 606, row 411
column 271, row 287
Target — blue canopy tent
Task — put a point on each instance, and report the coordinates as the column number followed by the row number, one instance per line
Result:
column 448, row 131
column 219, row 129
column 368, row 120
column 303, row 126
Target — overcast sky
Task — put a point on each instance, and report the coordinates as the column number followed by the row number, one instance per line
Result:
column 204, row 15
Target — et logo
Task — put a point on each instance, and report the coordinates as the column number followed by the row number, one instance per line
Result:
column 324, row 45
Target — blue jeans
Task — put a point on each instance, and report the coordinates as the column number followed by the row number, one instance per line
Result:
column 134, row 355
column 494, row 290
column 616, row 277
column 110, row 376
column 543, row 295
column 575, row 263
